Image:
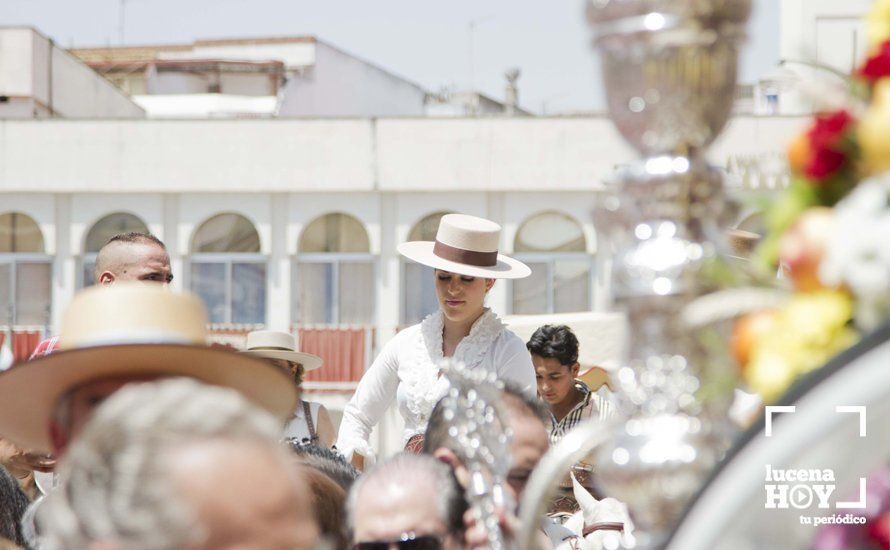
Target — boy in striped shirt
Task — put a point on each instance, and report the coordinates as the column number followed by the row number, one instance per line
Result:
column 554, row 351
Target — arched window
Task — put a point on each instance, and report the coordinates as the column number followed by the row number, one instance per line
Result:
column 25, row 272
column 419, row 290
column 228, row 271
column 334, row 282
column 554, row 247
column 98, row 236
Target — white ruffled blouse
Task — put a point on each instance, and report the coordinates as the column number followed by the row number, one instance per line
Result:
column 408, row 369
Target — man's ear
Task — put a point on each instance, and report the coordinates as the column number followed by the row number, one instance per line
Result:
column 106, row 278
column 446, row 455
column 576, row 368
column 488, row 284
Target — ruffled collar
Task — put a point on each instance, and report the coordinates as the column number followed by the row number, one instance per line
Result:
column 424, row 387
column 471, row 349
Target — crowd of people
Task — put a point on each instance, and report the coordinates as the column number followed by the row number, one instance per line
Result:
column 129, row 431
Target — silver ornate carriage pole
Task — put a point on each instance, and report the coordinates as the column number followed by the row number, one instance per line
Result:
column 669, row 68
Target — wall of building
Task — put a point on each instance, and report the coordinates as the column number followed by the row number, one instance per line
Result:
column 294, row 53
column 78, row 92
column 280, row 218
column 174, row 82
column 347, row 155
column 177, row 82
column 827, row 32
column 22, row 107
column 58, row 84
column 17, row 62
column 342, row 85
column 250, row 84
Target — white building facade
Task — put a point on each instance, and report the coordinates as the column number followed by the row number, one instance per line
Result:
column 325, row 201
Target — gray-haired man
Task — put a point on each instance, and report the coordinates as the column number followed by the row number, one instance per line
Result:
column 177, row 464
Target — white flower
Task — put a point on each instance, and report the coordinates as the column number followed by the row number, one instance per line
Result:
column 858, row 252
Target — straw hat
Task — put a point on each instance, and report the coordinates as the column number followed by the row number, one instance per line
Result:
column 273, row 344
column 466, row 245
column 131, row 330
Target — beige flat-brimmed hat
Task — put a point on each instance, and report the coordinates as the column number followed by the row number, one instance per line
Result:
column 131, row 329
column 466, row 245
column 274, row 344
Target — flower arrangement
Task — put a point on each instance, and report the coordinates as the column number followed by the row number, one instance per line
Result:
column 875, row 532
column 829, row 233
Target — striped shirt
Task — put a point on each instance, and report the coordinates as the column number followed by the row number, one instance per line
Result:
column 591, row 406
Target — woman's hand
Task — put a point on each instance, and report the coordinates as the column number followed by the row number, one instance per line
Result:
column 358, row 461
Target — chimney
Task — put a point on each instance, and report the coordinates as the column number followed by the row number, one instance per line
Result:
column 511, row 95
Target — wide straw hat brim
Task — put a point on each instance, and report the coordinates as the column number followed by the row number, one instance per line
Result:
column 30, row 391
column 309, row 361
column 422, row 253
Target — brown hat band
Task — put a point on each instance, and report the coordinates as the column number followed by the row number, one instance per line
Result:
column 468, row 257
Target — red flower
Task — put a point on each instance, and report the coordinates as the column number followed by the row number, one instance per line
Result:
column 878, row 65
column 825, row 136
column 824, row 163
column 829, row 128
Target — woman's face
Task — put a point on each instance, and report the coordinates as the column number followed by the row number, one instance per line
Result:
column 461, row 298
column 295, row 369
column 555, row 380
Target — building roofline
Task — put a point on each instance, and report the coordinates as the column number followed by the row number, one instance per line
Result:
column 372, row 64
column 97, row 49
column 183, row 46
column 300, row 39
column 310, row 39
column 481, row 96
column 132, row 63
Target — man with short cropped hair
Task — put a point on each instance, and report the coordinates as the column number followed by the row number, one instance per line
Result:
column 125, row 257
column 133, row 257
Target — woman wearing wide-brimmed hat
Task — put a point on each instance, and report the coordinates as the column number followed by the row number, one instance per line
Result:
column 311, row 423
column 466, row 262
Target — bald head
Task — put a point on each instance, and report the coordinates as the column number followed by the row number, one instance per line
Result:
column 133, row 257
column 407, row 494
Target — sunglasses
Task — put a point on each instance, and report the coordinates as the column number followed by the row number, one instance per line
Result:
column 408, row 541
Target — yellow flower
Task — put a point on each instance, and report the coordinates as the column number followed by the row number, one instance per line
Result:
column 769, row 374
column 877, row 23
column 809, row 330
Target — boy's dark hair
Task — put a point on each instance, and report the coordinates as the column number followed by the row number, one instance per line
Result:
column 555, row 342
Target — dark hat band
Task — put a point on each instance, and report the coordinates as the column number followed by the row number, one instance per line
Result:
column 467, row 257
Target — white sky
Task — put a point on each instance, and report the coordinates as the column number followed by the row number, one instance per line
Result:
column 424, row 41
